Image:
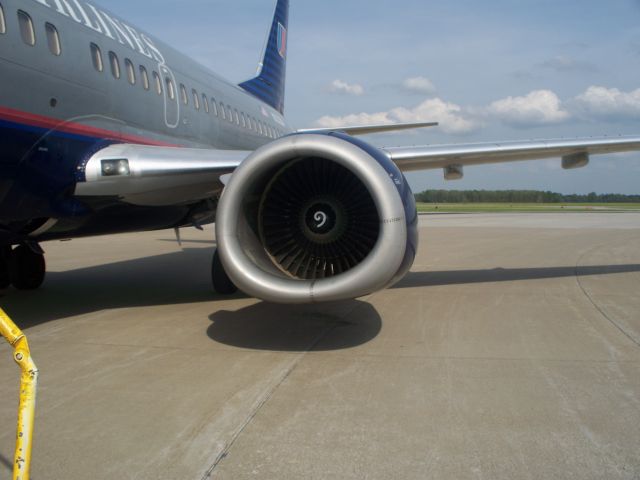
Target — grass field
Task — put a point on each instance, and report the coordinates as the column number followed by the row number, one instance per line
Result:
column 526, row 207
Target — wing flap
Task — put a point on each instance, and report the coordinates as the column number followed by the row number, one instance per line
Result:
column 443, row 156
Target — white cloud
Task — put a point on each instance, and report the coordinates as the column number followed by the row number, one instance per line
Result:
column 540, row 107
column 608, row 102
column 451, row 117
column 339, row 86
column 537, row 108
column 421, row 85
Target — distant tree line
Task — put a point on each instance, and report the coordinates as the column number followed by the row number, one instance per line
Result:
column 519, row 196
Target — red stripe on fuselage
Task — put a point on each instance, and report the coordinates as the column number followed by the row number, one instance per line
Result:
column 17, row 116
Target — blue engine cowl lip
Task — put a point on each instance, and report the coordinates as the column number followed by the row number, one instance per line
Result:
column 406, row 194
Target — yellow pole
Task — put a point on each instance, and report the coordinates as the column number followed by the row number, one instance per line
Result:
column 28, row 386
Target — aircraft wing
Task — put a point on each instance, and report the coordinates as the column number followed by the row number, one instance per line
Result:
column 161, row 176
column 574, row 153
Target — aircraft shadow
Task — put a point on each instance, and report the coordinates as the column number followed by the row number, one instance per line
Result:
column 297, row 328
column 182, row 277
column 175, row 278
column 461, row 277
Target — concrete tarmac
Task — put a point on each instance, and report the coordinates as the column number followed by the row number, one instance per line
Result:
column 511, row 351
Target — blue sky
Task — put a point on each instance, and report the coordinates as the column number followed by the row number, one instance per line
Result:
column 493, row 70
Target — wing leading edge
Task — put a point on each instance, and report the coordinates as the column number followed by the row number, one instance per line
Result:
column 574, row 153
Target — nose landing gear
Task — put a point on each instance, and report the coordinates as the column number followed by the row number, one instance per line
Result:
column 23, row 267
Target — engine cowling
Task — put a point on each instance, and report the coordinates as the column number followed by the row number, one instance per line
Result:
column 315, row 218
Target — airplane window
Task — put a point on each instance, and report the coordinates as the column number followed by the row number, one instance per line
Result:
column 171, row 90
column 222, row 112
column 259, row 127
column 230, row 112
column 183, row 92
column 53, row 39
column 244, row 120
column 214, row 106
column 158, row 82
column 26, row 28
column 205, row 102
column 237, row 117
column 115, row 64
column 3, row 26
column 196, row 99
column 131, row 71
column 145, row 77
column 96, row 56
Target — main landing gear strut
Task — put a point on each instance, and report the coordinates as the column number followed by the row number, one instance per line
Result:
column 23, row 267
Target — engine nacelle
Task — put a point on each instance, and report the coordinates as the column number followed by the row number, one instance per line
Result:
column 316, row 218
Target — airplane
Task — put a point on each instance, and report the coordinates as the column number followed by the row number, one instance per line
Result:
column 105, row 129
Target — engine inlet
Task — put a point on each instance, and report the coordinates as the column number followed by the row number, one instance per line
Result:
column 317, row 219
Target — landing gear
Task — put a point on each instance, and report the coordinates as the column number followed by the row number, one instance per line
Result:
column 26, row 268
column 221, row 282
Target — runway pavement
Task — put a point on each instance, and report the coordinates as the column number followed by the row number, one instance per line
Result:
column 511, row 351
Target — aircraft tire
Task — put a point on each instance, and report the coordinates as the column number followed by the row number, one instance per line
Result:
column 5, row 279
column 221, row 282
column 26, row 268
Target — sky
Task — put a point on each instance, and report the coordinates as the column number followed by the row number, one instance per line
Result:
column 487, row 71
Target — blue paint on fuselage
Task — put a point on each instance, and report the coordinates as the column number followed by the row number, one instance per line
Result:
column 37, row 170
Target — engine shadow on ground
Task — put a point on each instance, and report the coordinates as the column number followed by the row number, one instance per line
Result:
column 297, row 328
column 180, row 277
column 462, row 277
column 183, row 277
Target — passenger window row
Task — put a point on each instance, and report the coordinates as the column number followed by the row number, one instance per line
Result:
column 28, row 31
column 201, row 102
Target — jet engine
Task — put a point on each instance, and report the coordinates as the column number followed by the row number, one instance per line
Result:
column 315, row 218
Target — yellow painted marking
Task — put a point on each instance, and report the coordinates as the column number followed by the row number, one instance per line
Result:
column 28, row 386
